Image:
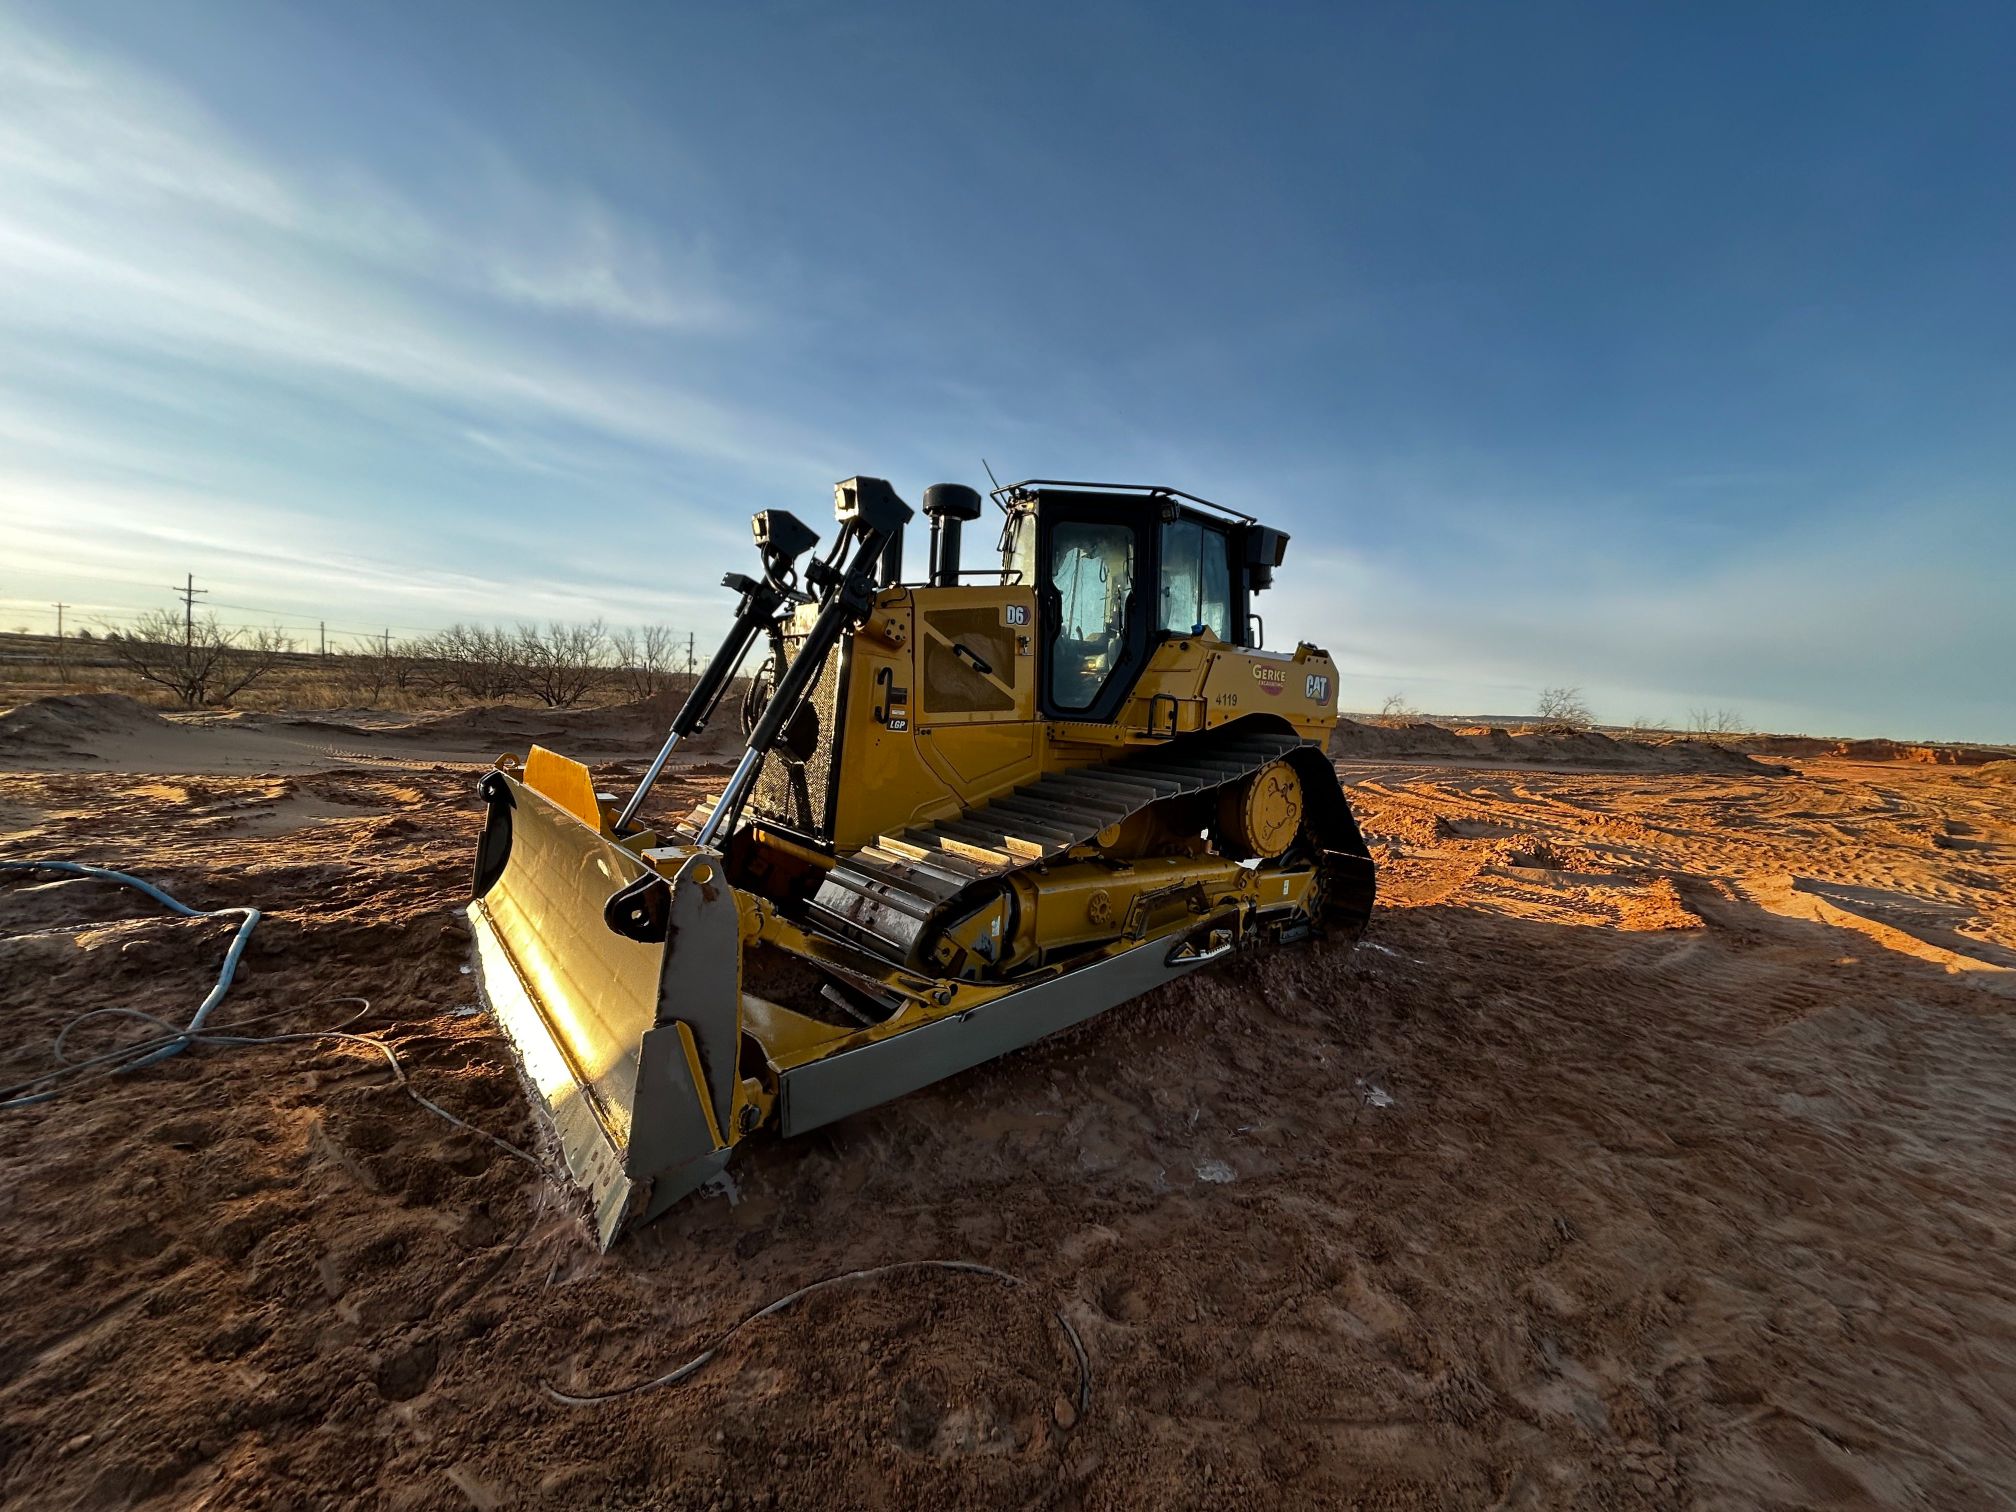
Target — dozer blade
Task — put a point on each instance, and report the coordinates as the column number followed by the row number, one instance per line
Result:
column 631, row 1053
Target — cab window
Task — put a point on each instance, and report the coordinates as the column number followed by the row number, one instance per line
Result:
column 1092, row 575
column 1196, row 580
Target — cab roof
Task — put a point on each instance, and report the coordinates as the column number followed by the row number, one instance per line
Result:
column 1037, row 489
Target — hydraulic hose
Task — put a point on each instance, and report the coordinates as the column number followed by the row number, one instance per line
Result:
column 149, row 1056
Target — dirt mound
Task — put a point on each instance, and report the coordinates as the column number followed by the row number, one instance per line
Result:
column 648, row 719
column 1786, row 745
column 111, row 732
column 70, row 723
column 1687, row 753
column 1372, row 741
column 1998, row 771
column 492, row 723
column 640, row 724
column 1550, row 746
column 1874, row 750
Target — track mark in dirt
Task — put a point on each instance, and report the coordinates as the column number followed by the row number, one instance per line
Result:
column 408, row 1370
column 1670, row 1197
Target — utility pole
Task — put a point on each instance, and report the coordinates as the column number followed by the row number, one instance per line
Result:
column 689, row 653
column 322, row 635
column 187, row 593
column 62, row 665
column 388, row 640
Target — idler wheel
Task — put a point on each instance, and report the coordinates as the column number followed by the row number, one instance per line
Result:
column 1261, row 816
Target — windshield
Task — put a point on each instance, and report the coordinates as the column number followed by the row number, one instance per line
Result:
column 1196, row 580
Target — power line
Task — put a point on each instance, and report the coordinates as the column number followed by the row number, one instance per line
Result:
column 297, row 614
column 187, row 590
column 373, row 642
column 135, row 616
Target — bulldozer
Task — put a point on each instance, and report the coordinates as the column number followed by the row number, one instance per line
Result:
column 967, row 813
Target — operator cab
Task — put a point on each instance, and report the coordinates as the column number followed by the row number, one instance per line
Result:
column 1119, row 569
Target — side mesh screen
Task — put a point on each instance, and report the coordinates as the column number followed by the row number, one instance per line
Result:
column 797, row 795
column 958, row 645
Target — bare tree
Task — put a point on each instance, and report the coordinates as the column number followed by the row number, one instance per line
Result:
column 249, row 656
column 1563, row 706
column 376, row 668
column 199, row 662
column 363, row 679
column 644, row 660
column 1706, row 721
column 1397, row 711
column 565, row 663
column 475, row 660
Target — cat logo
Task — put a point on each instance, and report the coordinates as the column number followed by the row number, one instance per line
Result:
column 1317, row 689
column 1271, row 679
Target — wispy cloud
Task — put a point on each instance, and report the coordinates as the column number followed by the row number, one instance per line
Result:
column 87, row 132
column 420, row 365
column 130, row 216
column 1873, row 605
column 307, row 562
column 150, row 254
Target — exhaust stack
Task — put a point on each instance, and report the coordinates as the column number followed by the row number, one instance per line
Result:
column 949, row 506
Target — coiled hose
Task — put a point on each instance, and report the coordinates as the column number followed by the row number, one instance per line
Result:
column 119, row 1062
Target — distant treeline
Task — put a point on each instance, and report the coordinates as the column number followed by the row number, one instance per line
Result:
column 200, row 661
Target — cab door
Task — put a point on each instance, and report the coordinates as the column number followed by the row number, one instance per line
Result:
column 1093, row 561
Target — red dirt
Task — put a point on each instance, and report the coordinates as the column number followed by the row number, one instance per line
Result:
column 1873, row 750
column 1554, row 747
column 1655, row 1149
column 111, row 732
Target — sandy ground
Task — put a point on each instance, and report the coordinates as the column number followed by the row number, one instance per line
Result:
column 112, row 733
column 1656, row 1149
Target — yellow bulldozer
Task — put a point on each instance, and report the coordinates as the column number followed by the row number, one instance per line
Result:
column 968, row 813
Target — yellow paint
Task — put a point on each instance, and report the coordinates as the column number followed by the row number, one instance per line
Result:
column 912, row 761
column 1262, row 815
column 687, row 1044
column 941, row 712
column 567, row 782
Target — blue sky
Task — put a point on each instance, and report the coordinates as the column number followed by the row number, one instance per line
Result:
column 1667, row 351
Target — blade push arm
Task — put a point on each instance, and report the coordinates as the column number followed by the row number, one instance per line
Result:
column 781, row 538
column 870, row 515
